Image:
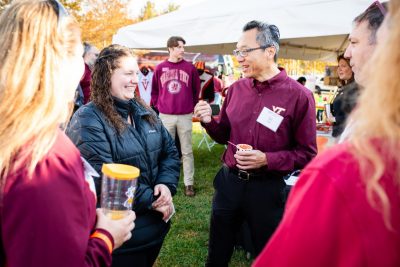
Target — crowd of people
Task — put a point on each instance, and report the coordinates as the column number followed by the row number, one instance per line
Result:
column 343, row 211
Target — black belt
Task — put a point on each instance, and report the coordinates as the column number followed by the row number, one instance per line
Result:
column 246, row 175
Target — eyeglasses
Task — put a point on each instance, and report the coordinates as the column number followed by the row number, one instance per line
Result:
column 378, row 5
column 245, row 52
column 60, row 10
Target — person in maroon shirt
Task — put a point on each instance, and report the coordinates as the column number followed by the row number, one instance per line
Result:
column 344, row 210
column 90, row 54
column 276, row 116
column 175, row 92
column 47, row 204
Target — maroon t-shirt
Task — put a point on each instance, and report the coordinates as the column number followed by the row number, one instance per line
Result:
column 175, row 87
column 293, row 144
column 46, row 219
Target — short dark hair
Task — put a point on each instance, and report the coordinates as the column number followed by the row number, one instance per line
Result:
column 268, row 34
column 86, row 48
column 173, row 41
column 302, row 80
column 374, row 16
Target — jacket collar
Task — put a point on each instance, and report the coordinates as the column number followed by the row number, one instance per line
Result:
column 129, row 107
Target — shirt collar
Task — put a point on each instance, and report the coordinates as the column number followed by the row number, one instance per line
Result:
column 277, row 79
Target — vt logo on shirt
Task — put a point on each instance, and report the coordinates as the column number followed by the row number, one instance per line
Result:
column 278, row 110
column 145, row 83
column 271, row 118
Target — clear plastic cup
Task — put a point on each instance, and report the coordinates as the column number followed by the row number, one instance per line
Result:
column 244, row 147
column 118, row 189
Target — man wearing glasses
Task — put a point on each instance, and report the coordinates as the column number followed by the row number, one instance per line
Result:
column 276, row 116
column 363, row 38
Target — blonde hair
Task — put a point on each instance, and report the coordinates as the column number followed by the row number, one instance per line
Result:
column 34, row 50
column 376, row 130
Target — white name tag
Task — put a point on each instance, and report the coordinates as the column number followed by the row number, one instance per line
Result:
column 292, row 180
column 270, row 119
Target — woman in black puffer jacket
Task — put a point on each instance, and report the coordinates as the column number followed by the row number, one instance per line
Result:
column 346, row 97
column 117, row 127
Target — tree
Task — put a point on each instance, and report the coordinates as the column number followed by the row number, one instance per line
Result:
column 73, row 6
column 148, row 11
column 102, row 19
column 171, row 7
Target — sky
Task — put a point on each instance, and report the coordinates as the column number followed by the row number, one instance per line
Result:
column 135, row 6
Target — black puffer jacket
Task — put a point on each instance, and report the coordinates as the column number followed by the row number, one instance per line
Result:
column 148, row 147
column 342, row 105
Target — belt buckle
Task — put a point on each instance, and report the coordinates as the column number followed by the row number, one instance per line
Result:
column 245, row 177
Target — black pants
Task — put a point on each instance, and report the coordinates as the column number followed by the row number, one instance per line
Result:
column 143, row 258
column 320, row 115
column 259, row 201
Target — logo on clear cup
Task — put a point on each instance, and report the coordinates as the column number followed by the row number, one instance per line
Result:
column 244, row 147
column 130, row 193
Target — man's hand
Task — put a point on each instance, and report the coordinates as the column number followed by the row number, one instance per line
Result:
column 202, row 110
column 248, row 160
column 165, row 197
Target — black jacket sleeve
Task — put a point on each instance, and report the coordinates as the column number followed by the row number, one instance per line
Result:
column 168, row 163
column 87, row 132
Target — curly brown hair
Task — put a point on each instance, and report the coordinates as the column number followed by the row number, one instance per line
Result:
column 104, row 66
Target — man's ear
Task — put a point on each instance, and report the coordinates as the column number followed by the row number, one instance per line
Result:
column 270, row 52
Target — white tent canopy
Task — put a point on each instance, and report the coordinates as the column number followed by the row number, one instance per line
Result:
column 310, row 29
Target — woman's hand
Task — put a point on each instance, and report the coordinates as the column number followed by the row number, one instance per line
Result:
column 164, row 198
column 166, row 210
column 119, row 229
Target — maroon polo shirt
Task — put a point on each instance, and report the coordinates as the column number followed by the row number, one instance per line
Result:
column 293, row 144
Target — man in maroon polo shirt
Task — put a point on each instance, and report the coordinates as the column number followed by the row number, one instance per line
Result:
column 276, row 116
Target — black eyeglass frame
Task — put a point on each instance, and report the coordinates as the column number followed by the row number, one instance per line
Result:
column 238, row 52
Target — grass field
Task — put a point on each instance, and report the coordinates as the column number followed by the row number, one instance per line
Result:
column 186, row 243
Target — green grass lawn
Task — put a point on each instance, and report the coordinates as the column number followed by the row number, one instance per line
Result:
column 186, row 243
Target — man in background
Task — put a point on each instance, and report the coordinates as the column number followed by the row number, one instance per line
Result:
column 363, row 38
column 175, row 92
column 90, row 54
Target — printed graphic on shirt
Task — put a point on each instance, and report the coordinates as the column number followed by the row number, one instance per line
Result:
column 145, row 83
column 278, row 110
column 174, row 87
column 173, row 79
